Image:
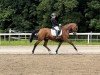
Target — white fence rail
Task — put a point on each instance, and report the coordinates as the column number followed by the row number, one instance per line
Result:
column 88, row 36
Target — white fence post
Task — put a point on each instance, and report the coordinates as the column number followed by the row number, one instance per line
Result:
column 88, row 38
column 9, row 35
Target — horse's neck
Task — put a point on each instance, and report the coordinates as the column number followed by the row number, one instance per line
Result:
column 65, row 30
column 68, row 27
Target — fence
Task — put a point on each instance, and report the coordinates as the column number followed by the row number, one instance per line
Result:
column 88, row 37
column 14, row 35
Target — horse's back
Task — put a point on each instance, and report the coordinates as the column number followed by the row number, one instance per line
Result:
column 44, row 30
column 43, row 33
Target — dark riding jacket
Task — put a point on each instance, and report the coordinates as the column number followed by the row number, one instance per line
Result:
column 54, row 22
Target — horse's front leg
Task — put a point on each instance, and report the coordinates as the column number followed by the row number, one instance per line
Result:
column 72, row 44
column 58, row 47
column 45, row 45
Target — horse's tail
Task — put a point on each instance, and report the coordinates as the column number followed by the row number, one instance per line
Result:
column 33, row 35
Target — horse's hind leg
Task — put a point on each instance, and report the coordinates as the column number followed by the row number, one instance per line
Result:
column 45, row 45
column 37, row 42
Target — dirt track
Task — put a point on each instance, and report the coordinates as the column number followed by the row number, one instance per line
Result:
column 64, row 49
column 18, row 60
column 49, row 64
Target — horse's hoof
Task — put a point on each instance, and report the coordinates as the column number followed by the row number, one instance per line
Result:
column 50, row 52
column 56, row 52
column 32, row 52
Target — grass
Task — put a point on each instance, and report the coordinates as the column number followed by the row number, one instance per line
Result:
column 27, row 43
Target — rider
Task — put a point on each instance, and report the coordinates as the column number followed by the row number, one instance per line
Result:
column 55, row 24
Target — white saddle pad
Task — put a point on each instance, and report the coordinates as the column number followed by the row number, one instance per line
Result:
column 53, row 32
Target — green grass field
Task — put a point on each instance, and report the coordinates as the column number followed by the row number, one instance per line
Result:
column 26, row 43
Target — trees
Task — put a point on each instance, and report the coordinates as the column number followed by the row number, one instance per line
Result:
column 93, row 14
column 26, row 15
column 17, row 14
column 65, row 10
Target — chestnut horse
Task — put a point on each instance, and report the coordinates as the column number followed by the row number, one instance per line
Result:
column 45, row 34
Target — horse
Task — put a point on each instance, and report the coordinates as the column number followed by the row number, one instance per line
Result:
column 45, row 34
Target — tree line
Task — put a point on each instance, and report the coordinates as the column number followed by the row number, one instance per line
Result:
column 27, row 15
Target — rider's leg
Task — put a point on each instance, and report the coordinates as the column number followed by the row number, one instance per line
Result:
column 57, row 33
column 56, row 28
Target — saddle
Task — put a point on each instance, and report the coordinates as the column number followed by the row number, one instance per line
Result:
column 53, row 32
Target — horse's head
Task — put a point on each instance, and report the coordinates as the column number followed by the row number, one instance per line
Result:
column 72, row 28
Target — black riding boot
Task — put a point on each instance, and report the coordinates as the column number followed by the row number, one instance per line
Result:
column 57, row 34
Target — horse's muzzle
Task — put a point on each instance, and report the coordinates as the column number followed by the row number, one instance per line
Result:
column 74, row 33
